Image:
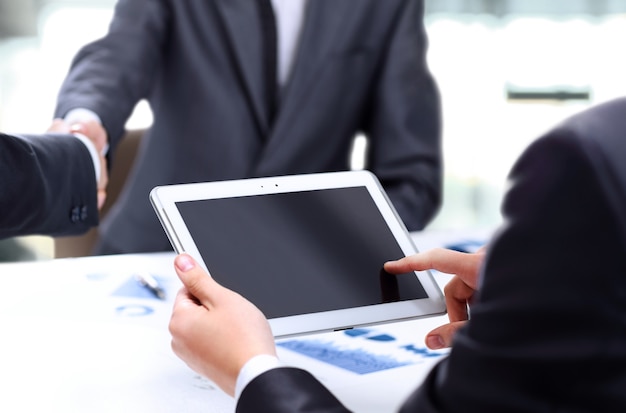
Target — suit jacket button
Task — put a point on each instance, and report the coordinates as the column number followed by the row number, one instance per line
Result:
column 75, row 214
column 83, row 213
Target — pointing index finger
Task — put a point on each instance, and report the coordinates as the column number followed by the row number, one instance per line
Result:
column 464, row 265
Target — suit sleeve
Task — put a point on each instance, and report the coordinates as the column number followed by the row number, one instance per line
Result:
column 547, row 331
column 287, row 390
column 109, row 76
column 48, row 186
column 405, row 123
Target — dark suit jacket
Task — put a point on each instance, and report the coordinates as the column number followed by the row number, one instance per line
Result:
column 361, row 67
column 47, row 186
column 548, row 332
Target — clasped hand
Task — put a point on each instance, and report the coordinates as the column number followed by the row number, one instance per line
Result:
column 216, row 331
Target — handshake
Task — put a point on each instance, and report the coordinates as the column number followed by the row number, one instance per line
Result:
column 97, row 135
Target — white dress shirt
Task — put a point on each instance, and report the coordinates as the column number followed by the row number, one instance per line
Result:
column 289, row 22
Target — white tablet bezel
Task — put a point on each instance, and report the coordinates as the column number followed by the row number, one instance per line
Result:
column 164, row 199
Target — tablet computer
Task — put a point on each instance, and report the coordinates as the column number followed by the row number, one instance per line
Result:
column 308, row 250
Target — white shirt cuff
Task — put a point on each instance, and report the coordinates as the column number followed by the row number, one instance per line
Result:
column 254, row 367
column 92, row 151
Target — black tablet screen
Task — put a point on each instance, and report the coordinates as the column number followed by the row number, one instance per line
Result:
column 300, row 252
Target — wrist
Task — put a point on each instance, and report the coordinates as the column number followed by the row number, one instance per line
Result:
column 91, row 147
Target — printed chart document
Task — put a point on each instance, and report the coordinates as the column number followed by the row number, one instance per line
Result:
column 84, row 335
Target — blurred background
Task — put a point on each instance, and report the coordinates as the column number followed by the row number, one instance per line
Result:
column 508, row 70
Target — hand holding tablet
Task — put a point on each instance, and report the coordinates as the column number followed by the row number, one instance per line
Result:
column 308, row 250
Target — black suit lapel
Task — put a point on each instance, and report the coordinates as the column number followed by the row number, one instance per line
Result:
column 243, row 28
column 322, row 25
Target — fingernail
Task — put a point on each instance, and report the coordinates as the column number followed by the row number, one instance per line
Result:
column 435, row 342
column 184, row 262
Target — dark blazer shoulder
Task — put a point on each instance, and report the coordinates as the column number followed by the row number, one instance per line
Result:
column 601, row 132
column 552, row 284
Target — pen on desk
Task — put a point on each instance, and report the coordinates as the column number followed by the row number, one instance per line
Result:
column 148, row 281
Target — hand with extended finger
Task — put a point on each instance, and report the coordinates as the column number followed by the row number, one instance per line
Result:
column 458, row 292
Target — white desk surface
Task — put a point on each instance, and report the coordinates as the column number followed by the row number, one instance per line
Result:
column 80, row 335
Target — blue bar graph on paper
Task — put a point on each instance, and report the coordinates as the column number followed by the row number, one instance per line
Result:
column 361, row 350
column 355, row 360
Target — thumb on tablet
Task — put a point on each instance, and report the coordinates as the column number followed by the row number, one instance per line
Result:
column 215, row 330
column 196, row 280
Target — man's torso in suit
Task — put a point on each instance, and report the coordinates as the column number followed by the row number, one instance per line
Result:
column 360, row 67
